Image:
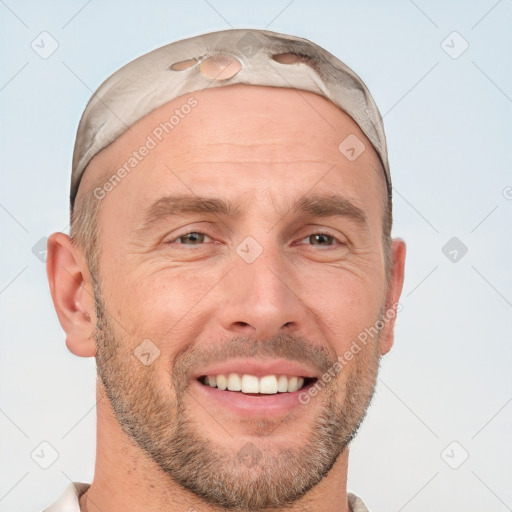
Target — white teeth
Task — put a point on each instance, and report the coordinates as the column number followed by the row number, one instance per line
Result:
column 250, row 384
column 282, row 384
column 292, row 385
column 268, row 385
column 222, row 382
column 234, row 382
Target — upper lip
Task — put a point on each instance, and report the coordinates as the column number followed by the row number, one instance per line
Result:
column 257, row 367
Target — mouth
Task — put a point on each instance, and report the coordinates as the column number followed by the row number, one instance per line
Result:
column 253, row 385
column 253, row 389
column 236, row 394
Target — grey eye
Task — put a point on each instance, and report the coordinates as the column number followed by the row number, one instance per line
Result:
column 191, row 237
column 321, row 237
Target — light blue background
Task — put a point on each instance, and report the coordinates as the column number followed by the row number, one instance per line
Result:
column 448, row 123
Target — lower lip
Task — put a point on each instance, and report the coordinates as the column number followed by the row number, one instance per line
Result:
column 252, row 406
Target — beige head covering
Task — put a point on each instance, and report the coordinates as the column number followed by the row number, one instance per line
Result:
column 238, row 56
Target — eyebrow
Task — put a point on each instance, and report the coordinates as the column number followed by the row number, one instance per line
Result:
column 330, row 206
column 317, row 205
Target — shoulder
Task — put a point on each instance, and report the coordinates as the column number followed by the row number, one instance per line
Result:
column 356, row 503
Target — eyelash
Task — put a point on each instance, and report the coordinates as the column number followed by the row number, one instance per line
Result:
column 319, row 232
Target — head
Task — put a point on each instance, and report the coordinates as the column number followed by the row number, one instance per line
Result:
column 278, row 247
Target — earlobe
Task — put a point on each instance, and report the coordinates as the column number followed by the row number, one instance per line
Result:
column 72, row 294
column 394, row 291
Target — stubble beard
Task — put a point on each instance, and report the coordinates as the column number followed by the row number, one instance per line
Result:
column 253, row 477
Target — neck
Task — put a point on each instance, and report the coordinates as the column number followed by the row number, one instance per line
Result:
column 127, row 479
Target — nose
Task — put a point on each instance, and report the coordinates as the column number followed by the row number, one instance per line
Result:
column 261, row 299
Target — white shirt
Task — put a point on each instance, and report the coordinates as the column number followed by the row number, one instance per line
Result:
column 68, row 502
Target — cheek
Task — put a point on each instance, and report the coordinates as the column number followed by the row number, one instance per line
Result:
column 347, row 309
column 164, row 305
column 345, row 303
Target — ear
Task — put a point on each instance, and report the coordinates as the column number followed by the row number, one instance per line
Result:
column 72, row 294
column 394, row 290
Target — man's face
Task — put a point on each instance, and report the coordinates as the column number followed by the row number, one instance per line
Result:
column 262, row 289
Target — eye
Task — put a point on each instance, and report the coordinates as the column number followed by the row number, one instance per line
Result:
column 323, row 239
column 319, row 239
column 192, row 238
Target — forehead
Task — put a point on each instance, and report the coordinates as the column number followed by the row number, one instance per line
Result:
column 234, row 139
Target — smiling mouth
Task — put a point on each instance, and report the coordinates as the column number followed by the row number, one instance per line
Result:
column 256, row 386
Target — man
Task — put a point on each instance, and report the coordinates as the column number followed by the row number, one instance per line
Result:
column 231, row 269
